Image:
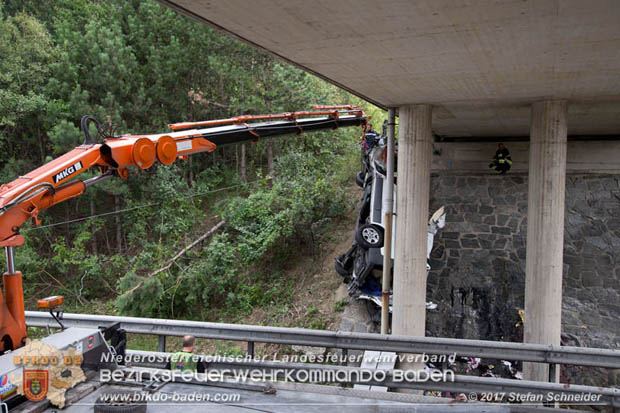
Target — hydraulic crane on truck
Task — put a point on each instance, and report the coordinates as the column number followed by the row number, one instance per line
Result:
column 24, row 198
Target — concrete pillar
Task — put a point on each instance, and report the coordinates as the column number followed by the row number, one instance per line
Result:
column 412, row 203
column 388, row 207
column 545, row 231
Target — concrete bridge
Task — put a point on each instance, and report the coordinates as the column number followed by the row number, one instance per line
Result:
column 541, row 71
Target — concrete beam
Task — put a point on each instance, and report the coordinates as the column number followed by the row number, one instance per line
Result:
column 545, row 234
column 587, row 156
column 412, row 204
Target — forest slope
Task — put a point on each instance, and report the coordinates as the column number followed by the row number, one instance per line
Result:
column 138, row 66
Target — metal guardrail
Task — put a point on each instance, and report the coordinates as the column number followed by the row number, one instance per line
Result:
column 579, row 356
column 500, row 389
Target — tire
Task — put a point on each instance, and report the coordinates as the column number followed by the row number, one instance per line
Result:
column 359, row 179
column 369, row 236
column 340, row 269
column 104, row 403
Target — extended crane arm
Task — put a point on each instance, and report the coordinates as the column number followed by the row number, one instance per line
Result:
column 55, row 182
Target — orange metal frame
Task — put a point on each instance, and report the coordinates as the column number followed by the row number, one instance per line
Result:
column 54, row 182
column 320, row 110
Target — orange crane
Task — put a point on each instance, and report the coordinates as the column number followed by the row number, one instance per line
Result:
column 55, row 182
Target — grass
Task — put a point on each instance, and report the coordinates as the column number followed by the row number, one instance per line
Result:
column 340, row 305
column 144, row 342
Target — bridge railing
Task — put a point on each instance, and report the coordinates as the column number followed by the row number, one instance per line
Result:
column 579, row 356
column 490, row 388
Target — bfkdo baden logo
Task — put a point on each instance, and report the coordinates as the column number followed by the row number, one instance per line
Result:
column 44, row 372
column 36, row 384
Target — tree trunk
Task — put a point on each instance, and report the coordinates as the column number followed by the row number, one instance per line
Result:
column 119, row 229
column 190, row 176
column 237, row 158
column 107, row 240
column 270, row 157
column 93, row 229
column 41, row 146
column 269, row 147
column 243, row 174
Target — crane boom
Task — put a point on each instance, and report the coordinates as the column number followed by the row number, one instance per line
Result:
column 55, row 182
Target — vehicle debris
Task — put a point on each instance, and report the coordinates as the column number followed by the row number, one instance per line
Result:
column 362, row 265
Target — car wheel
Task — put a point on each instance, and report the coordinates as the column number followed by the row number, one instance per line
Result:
column 369, row 236
column 359, row 179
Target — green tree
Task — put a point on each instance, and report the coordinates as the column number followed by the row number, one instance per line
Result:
column 26, row 49
column 141, row 66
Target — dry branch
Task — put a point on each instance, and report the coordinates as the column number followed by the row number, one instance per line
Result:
column 178, row 255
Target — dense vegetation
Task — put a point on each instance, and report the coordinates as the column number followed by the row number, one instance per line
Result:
column 140, row 66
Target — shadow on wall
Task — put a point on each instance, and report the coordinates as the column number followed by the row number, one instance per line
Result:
column 478, row 264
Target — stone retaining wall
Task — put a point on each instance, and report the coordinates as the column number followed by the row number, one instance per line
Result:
column 478, row 275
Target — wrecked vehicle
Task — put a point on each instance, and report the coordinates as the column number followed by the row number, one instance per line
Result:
column 362, row 265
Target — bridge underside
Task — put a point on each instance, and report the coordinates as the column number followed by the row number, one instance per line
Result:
column 480, row 64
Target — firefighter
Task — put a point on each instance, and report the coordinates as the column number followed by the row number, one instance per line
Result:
column 372, row 138
column 502, row 160
column 185, row 360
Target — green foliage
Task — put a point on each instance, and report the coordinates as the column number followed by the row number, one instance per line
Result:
column 340, row 305
column 144, row 301
column 141, row 66
column 228, row 349
column 311, row 310
column 270, row 219
column 314, row 319
column 25, row 47
column 64, row 135
column 26, row 50
column 261, row 227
